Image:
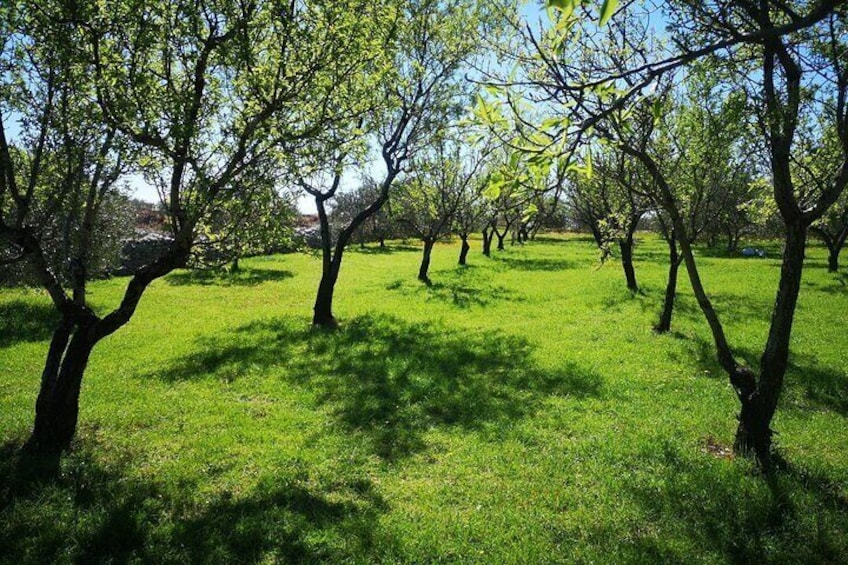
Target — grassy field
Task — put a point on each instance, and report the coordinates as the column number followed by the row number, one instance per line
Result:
column 520, row 410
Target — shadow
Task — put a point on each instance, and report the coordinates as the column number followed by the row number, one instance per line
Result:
column 388, row 382
column 22, row 320
column 713, row 507
column 94, row 512
column 734, row 308
column 246, row 276
column 467, row 296
column 808, row 385
column 570, row 238
column 23, row 473
column 837, row 284
column 811, row 386
column 462, row 288
column 703, row 352
column 387, row 250
column 285, row 520
column 773, row 250
column 527, row 264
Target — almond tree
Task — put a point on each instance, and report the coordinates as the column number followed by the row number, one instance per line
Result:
column 441, row 178
column 190, row 86
column 416, row 98
column 799, row 51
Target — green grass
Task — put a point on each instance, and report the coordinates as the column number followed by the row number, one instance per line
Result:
column 519, row 410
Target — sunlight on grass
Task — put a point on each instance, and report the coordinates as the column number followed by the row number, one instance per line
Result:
column 519, row 410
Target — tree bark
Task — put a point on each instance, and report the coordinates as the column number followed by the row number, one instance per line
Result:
column 664, row 325
column 330, row 263
column 57, row 406
column 425, row 261
column 626, row 247
column 487, row 242
column 596, row 235
column 323, row 309
column 500, row 240
column 733, row 241
column 834, row 244
column 753, row 434
column 463, row 252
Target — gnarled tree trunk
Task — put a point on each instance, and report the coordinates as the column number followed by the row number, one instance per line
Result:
column 500, row 237
column 425, row 261
column 487, row 241
column 57, row 406
column 759, row 403
column 463, row 251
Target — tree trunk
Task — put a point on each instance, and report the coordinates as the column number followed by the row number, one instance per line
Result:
column 834, row 243
column 322, row 315
column 382, row 243
column 425, row 262
column 234, row 267
column 597, row 235
column 323, row 309
column 664, row 325
column 626, row 246
column 753, row 434
column 463, row 252
column 57, row 406
column 500, row 240
column 732, row 241
column 487, row 242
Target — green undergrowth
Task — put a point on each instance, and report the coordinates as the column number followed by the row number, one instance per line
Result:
column 518, row 410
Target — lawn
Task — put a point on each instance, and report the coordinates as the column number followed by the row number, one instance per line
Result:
column 519, row 410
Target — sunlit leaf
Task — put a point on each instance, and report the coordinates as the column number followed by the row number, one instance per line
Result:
column 607, row 10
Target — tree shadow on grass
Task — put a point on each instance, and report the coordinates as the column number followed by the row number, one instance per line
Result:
column 22, row 320
column 469, row 295
column 808, row 384
column 582, row 239
column 246, row 276
column 729, row 307
column 461, row 288
column 389, row 249
column 710, row 508
column 91, row 512
column 837, row 284
column 535, row 264
column 388, row 382
column 811, row 385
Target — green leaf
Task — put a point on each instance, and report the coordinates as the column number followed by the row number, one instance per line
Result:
column 607, row 10
column 493, row 190
column 529, row 212
column 493, row 89
column 657, row 109
column 564, row 6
